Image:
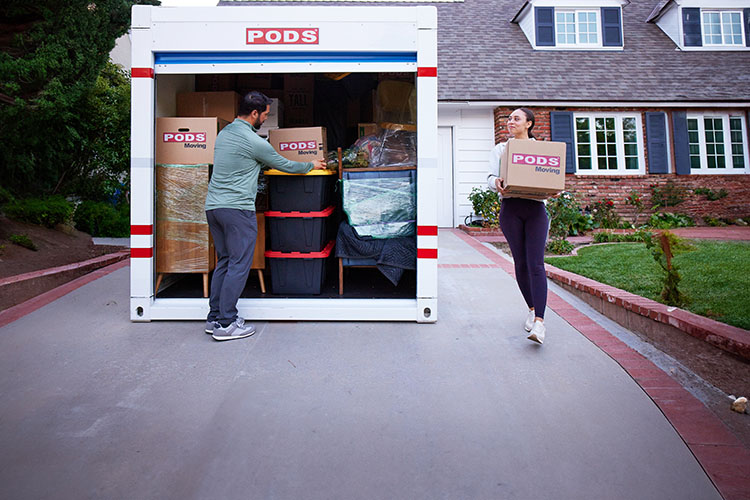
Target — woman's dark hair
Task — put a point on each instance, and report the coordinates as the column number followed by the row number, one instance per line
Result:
column 253, row 101
column 529, row 117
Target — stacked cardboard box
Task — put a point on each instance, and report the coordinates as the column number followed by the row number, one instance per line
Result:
column 298, row 99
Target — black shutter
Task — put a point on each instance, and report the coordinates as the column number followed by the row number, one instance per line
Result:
column 691, row 27
column 611, row 27
column 746, row 14
column 681, row 144
column 656, row 143
column 544, row 17
column 561, row 128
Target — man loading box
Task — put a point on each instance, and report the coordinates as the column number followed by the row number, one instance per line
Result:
column 239, row 156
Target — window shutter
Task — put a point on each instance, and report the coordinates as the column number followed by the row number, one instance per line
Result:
column 691, row 27
column 746, row 14
column 545, row 26
column 681, row 144
column 611, row 27
column 656, row 143
column 561, row 128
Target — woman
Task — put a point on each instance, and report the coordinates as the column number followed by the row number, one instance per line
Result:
column 524, row 223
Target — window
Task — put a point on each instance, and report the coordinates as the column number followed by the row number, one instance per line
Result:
column 722, row 27
column 577, row 27
column 609, row 143
column 718, row 144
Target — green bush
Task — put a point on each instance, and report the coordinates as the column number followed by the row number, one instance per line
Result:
column 667, row 220
column 714, row 221
column 102, row 219
column 565, row 216
column 610, row 237
column 486, row 204
column 604, row 215
column 47, row 212
column 22, row 240
column 712, row 195
column 668, row 195
column 560, row 246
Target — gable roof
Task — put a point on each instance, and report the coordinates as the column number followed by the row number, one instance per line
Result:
column 483, row 56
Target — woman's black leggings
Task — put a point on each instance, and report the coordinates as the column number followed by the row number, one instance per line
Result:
column 525, row 224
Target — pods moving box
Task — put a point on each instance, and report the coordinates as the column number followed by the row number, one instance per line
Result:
column 186, row 141
column 533, row 169
column 299, row 144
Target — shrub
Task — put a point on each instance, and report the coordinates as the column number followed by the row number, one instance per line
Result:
column 636, row 201
column 565, row 216
column 47, row 212
column 23, row 241
column 560, row 246
column 713, row 221
column 667, row 220
column 610, row 237
column 712, row 195
column 669, row 195
column 102, row 219
column 663, row 248
column 486, row 204
column 604, row 215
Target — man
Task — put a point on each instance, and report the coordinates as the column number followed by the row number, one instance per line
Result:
column 239, row 155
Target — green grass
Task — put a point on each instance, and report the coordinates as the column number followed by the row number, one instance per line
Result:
column 715, row 276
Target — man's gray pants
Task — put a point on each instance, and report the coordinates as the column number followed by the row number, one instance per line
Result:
column 234, row 232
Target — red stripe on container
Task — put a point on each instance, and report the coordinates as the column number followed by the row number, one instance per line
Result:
column 145, row 230
column 142, row 72
column 427, row 253
column 141, row 253
column 324, row 213
column 300, row 255
column 427, row 71
column 426, row 230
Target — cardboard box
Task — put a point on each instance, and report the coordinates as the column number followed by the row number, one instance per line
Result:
column 300, row 144
column 275, row 117
column 533, row 169
column 299, row 82
column 254, row 81
column 298, row 109
column 186, row 141
column 364, row 129
column 223, row 105
column 215, row 82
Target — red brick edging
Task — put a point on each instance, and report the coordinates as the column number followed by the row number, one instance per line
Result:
column 719, row 452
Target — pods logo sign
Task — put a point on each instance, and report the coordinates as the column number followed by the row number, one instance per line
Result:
column 297, row 145
column 282, row 36
column 536, row 160
column 184, row 137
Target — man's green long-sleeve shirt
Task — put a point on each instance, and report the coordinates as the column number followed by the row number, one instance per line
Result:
column 239, row 156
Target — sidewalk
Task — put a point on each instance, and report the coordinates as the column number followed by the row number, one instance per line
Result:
column 92, row 405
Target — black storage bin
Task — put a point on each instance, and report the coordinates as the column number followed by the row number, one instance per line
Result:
column 310, row 192
column 300, row 231
column 297, row 273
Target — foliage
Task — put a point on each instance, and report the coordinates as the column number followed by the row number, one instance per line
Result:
column 604, row 215
column 47, row 212
column 667, row 220
column 710, row 194
column 560, row 246
column 23, row 241
column 610, row 237
column 668, row 195
column 636, row 201
column 663, row 248
column 714, row 276
column 565, row 217
column 52, row 54
column 714, row 221
column 486, row 204
column 102, row 219
column 6, row 196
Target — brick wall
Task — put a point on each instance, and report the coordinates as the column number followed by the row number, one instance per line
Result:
column 590, row 188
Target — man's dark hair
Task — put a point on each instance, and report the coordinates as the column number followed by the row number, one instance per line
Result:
column 253, row 101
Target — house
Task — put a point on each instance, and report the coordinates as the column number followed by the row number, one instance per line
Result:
column 643, row 92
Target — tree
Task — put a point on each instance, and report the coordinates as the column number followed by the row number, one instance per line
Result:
column 51, row 55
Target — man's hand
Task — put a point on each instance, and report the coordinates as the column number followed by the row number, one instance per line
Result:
column 319, row 164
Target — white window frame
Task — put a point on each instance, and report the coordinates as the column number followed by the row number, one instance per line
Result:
column 578, row 43
column 704, row 35
column 620, row 147
column 729, row 168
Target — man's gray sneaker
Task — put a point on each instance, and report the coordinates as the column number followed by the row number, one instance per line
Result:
column 237, row 330
column 210, row 325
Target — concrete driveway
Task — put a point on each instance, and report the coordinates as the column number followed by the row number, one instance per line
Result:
column 94, row 406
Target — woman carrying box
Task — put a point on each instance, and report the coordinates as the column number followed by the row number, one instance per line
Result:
column 524, row 223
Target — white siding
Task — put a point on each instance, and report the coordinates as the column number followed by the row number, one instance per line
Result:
column 526, row 22
column 669, row 22
column 474, row 137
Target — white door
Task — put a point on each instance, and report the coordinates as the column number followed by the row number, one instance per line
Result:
column 445, row 177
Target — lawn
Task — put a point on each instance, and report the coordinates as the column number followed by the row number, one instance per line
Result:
column 715, row 276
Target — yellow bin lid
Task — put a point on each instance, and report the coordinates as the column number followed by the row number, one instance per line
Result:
column 273, row 171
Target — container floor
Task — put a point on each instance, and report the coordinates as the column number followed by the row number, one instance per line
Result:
column 359, row 283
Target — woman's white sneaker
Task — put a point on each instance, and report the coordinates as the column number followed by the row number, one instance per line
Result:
column 529, row 323
column 537, row 332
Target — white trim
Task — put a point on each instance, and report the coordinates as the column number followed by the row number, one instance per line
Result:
column 578, row 44
column 619, row 116
column 726, row 5
column 729, row 169
column 594, row 104
column 720, row 12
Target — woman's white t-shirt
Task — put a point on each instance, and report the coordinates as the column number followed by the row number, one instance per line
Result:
column 494, row 171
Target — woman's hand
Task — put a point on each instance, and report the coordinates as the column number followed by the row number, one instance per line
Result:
column 500, row 186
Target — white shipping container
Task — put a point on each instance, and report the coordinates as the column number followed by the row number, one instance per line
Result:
column 170, row 46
